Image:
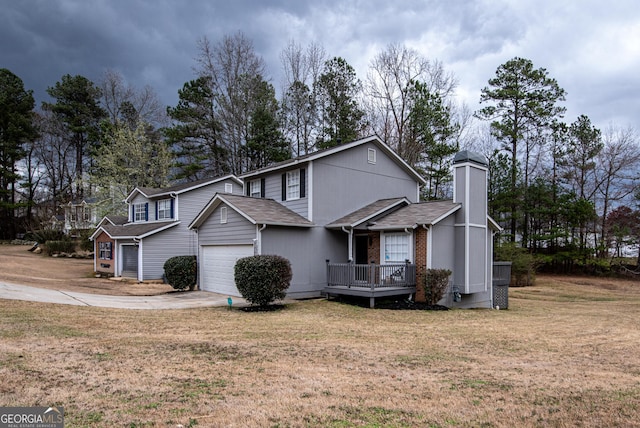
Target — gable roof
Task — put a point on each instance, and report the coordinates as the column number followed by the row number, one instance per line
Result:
column 415, row 215
column 150, row 192
column 114, row 220
column 256, row 210
column 133, row 230
column 367, row 212
column 330, row 151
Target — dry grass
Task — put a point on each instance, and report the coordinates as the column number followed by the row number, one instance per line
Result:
column 564, row 354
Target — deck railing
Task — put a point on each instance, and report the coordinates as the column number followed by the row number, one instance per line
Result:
column 371, row 276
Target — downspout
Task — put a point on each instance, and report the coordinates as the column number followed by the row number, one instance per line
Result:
column 138, row 244
column 174, row 195
column 429, row 243
column 350, row 244
column 260, row 229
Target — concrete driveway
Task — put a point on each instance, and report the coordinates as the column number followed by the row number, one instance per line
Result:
column 177, row 300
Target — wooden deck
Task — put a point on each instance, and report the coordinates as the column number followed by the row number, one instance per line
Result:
column 370, row 280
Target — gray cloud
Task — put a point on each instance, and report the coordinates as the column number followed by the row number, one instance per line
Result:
column 590, row 47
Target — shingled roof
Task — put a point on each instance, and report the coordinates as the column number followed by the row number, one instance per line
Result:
column 134, row 230
column 151, row 192
column 414, row 215
column 256, row 210
column 367, row 212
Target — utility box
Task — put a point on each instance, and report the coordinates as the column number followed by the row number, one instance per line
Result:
column 501, row 281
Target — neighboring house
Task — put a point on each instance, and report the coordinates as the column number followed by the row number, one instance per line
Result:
column 80, row 214
column 350, row 222
column 155, row 229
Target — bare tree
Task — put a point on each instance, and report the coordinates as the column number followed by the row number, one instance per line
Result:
column 124, row 102
column 302, row 70
column 55, row 154
column 233, row 67
column 391, row 74
column 616, row 173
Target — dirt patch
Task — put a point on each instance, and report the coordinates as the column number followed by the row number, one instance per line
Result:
column 19, row 266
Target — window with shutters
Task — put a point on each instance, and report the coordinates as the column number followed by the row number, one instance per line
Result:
column 140, row 212
column 164, row 209
column 293, row 185
column 105, row 250
column 255, row 189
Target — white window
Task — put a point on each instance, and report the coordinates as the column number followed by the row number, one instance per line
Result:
column 140, row 212
column 293, row 185
column 397, row 247
column 371, row 156
column 228, row 187
column 105, row 250
column 223, row 215
column 254, row 189
column 164, row 209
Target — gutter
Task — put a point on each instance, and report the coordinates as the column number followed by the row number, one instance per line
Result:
column 350, row 242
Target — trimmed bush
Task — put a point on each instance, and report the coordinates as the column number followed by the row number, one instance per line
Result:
column 56, row 247
column 181, row 272
column 262, row 279
column 434, row 282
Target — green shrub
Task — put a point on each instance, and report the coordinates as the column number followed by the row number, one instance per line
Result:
column 262, row 279
column 83, row 237
column 435, row 282
column 523, row 263
column 181, row 272
column 64, row 246
column 43, row 235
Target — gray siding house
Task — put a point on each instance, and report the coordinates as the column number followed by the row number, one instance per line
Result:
column 350, row 222
column 155, row 229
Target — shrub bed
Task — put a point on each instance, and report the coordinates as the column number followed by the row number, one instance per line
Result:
column 56, row 247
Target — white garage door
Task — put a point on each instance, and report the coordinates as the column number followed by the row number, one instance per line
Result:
column 218, row 262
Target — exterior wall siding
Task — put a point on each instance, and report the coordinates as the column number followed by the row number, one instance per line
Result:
column 158, row 248
column 307, row 249
column 191, row 203
column 237, row 230
column 273, row 190
column 346, row 181
column 177, row 240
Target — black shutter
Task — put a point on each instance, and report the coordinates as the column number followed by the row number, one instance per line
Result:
column 262, row 188
column 284, row 186
column 302, row 183
column 146, row 211
column 248, row 188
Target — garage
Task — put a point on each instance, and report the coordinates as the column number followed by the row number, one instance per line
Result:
column 217, row 266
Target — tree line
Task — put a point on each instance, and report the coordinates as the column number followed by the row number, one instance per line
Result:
column 556, row 188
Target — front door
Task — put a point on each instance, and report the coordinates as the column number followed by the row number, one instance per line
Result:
column 362, row 254
column 362, row 249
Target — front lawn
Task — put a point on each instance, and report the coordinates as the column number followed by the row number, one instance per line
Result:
column 564, row 354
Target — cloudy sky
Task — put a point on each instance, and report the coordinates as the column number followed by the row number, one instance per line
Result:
column 592, row 48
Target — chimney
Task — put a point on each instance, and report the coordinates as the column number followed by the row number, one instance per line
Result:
column 472, row 246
